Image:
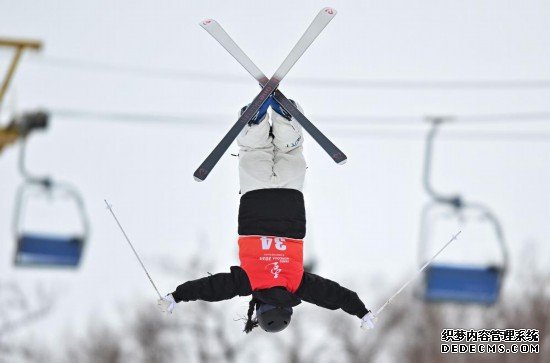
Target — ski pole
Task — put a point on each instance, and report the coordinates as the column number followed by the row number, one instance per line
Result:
column 416, row 274
column 110, row 208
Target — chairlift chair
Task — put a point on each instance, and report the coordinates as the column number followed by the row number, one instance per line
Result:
column 464, row 282
column 461, row 283
column 46, row 249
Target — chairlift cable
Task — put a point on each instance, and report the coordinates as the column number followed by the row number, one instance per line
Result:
column 353, row 119
column 197, row 75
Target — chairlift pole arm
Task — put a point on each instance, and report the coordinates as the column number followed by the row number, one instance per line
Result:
column 44, row 180
column 20, row 45
column 498, row 231
column 428, row 156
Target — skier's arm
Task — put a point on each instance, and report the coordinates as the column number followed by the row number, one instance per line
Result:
column 329, row 294
column 222, row 286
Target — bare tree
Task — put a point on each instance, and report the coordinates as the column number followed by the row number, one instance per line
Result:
column 100, row 344
column 205, row 322
column 151, row 332
column 408, row 331
column 19, row 308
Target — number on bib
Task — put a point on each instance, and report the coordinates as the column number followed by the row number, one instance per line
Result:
column 279, row 243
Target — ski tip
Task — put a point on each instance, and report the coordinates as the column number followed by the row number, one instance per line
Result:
column 207, row 22
column 200, row 174
column 339, row 158
column 330, row 11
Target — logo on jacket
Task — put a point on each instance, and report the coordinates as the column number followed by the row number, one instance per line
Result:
column 275, row 270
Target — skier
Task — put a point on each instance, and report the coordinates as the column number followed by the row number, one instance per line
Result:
column 272, row 226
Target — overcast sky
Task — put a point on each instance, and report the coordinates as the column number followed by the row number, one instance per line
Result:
column 153, row 59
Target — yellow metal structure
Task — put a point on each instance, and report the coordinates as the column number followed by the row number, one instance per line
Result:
column 20, row 45
column 7, row 137
column 9, row 134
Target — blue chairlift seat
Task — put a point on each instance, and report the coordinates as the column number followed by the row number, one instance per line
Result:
column 54, row 251
column 467, row 284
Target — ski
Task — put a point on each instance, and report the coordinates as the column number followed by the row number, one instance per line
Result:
column 218, row 33
column 317, row 25
column 332, row 150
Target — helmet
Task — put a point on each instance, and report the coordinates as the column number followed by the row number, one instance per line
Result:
column 272, row 318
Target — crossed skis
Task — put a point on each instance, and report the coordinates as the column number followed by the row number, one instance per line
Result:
column 269, row 86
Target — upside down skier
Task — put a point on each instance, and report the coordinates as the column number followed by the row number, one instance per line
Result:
column 272, row 226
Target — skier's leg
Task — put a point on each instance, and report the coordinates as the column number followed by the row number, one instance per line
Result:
column 255, row 156
column 289, row 163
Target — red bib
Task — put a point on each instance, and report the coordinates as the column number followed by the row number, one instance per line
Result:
column 272, row 261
